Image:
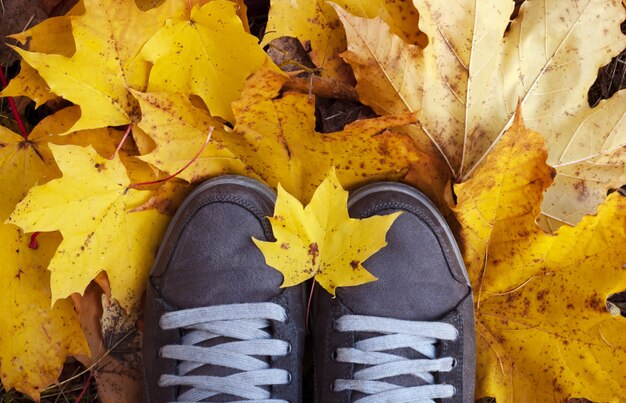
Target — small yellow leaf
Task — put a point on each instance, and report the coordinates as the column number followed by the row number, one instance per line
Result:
column 209, row 55
column 321, row 240
column 90, row 206
column 36, row 336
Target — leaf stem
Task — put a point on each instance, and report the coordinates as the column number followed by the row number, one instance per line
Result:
column 195, row 157
column 33, row 244
column 119, row 146
column 16, row 115
column 308, row 305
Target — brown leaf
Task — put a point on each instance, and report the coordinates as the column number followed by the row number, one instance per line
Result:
column 116, row 381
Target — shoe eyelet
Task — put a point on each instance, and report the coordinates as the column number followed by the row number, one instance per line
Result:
column 289, row 378
column 454, row 363
column 289, row 349
column 333, row 355
column 331, row 386
column 160, row 352
column 336, row 327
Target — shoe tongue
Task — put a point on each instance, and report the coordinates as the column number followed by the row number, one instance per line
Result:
column 217, row 263
column 414, row 282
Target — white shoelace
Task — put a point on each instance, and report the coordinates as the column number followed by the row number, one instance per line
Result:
column 246, row 324
column 420, row 336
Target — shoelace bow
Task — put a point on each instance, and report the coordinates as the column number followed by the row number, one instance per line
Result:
column 246, row 324
column 420, row 336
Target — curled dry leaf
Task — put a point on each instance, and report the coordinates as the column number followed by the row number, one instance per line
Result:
column 321, row 240
column 543, row 328
column 479, row 64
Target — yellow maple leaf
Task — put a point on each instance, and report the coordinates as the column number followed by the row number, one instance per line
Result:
column 544, row 332
column 321, row 240
column 476, row 67
column 90, row 206
column 179, row 131
column 36, row 335
column 316, row 25
column 105, row 64
column 208, row 55
column 275, row 137
column 53, row 35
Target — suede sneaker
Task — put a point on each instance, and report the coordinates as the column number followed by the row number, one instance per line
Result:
column 218, row 327
column 409, row 336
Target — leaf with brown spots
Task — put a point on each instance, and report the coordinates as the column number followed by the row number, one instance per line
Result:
column 37, row 336
column 106, row 63
column 208, row 54
column 29, row 83
column 275, row 138
column 316, row 25
column 478, row 64
column 53, row 36
column 321, row 240
column 90, row 206
column 179, row 131
column 544, row 332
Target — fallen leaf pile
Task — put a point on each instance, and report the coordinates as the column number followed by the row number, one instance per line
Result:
column 482, row 106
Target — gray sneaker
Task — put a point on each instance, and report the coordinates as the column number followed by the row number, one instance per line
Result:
column 218, row 327
column 410, row 335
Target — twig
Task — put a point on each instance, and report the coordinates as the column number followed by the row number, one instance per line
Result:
column 119, row 146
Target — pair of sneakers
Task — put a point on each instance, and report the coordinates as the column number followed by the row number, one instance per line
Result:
column 218, row 327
